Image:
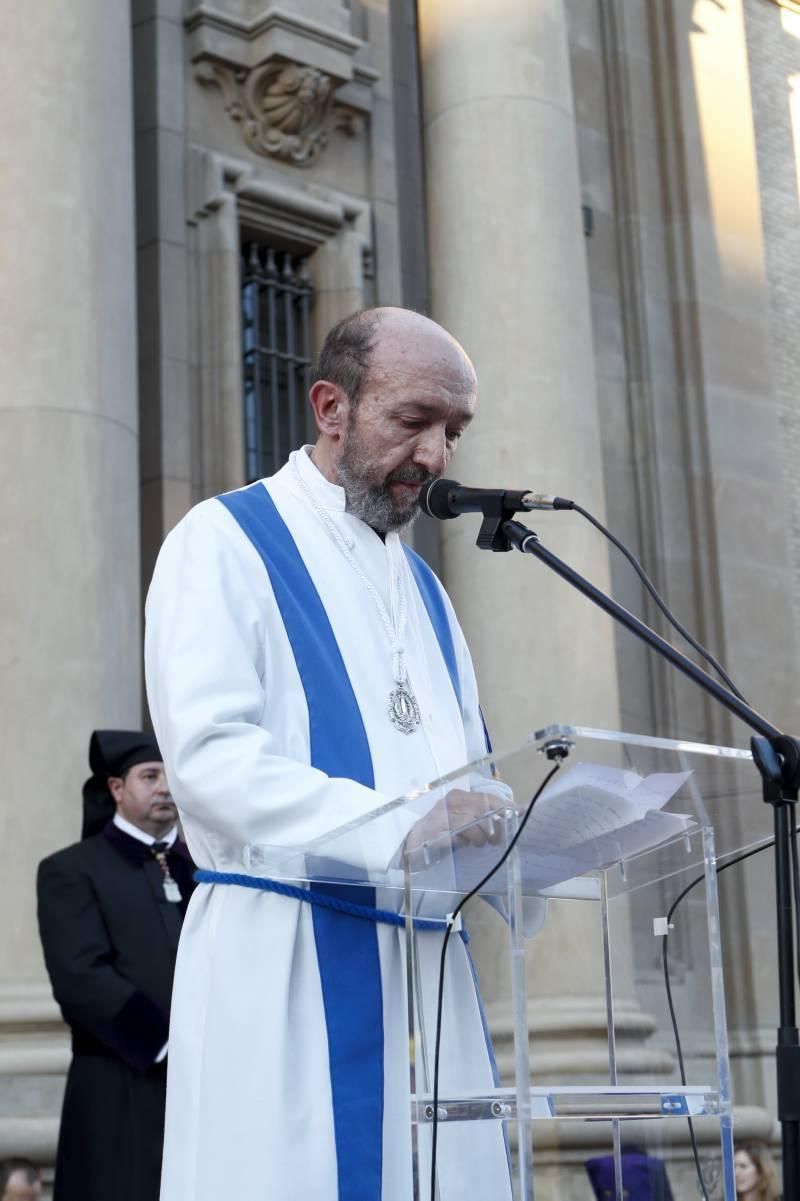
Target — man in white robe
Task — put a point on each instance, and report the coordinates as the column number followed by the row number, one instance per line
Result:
column 280, row 621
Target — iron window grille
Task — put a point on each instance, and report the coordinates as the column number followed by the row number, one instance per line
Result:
column 276, row 305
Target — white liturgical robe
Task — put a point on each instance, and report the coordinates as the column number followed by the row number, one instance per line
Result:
column 269, row 669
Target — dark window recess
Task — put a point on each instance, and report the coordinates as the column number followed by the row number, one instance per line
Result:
column 276, row 303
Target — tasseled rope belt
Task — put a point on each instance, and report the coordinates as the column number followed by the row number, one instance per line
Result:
column 203, row 876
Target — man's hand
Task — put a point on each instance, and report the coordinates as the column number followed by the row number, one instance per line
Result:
column 455, row 810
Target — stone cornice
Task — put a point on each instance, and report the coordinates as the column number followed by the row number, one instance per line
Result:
column 307, row 216
column 310, row 218
column 247, row 43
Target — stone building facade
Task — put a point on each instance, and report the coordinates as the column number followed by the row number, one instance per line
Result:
column 599, row 198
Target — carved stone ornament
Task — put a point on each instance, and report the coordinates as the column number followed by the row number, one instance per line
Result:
column 282, row 107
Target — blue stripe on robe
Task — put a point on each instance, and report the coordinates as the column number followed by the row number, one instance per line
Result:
column 431, row 593
column 347, row 948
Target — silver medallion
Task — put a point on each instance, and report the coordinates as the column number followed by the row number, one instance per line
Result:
column 403, row 709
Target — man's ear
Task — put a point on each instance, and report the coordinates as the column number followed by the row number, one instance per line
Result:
column 115, row 786
column 331, row 408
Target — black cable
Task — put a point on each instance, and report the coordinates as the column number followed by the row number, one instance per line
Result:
column 440, row 991
column 665, row 964
column 796, row 891
column 642, row 574
column 679, row 1048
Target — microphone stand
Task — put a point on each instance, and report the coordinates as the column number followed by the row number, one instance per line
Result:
column 777, row 757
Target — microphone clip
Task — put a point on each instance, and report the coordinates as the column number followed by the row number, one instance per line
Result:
column 444, row 499
column 496, row 512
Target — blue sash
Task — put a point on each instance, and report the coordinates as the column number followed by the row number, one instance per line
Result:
column 346, row 945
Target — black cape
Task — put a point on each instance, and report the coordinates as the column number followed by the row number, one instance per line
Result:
column 110, row 938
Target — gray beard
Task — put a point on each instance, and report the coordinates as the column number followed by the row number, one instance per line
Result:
column 373, row 503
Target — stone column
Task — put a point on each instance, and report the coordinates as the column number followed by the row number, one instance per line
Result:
column 69, row 592
column 508, row 279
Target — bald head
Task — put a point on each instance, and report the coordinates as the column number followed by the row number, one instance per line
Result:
column 373, row 341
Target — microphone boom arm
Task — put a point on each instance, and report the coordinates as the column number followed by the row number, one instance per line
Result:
column 519, row 537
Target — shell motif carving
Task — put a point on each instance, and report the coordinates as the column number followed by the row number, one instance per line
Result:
column 282, row 108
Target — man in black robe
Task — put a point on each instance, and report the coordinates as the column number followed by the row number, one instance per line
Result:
column 110, row 913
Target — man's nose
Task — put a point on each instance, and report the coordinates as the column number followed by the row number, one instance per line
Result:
column 431, row 452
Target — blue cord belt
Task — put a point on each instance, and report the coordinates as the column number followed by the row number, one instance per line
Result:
column 202, row 876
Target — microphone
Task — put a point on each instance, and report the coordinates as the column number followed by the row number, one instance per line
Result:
column 444, row 499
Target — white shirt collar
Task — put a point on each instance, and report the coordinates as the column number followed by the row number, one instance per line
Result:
column 141, row 835
column 330, row 496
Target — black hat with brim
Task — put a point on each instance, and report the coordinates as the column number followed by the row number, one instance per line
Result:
column 112, row 753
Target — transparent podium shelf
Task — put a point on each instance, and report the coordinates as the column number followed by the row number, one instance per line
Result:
column 590, row 1103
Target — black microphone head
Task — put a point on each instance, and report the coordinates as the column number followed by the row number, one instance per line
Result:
column 434, row 499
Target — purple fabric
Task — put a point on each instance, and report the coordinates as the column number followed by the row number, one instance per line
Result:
column 644, row 1178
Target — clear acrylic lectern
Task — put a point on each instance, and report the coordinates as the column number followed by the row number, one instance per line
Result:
column 626, row 824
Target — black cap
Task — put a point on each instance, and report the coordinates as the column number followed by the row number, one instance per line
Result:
column 111, row 753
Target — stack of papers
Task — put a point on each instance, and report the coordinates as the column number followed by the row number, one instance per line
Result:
column 589, row 817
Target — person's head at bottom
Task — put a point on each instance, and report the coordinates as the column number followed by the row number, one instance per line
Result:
column 754, row 1173
column 19, row 1180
